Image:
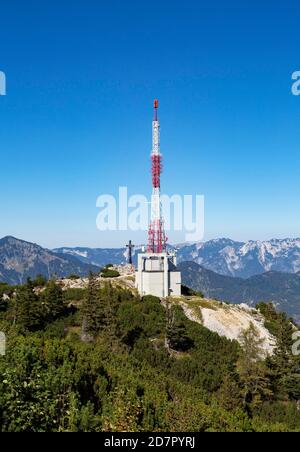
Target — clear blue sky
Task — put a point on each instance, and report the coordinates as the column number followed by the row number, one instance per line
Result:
column 76, row 121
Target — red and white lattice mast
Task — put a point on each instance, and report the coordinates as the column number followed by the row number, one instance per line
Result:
column 156, row 236
column 156, row 270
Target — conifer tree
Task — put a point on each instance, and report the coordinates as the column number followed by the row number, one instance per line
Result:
column 27, row 309
column 252, row 370
column 110, row 301
column 283, row 364
column 89, row 311
column 53, row 301
column 229, row 394
column 176, row 334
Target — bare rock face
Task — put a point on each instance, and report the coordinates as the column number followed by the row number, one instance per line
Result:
column 229, row 321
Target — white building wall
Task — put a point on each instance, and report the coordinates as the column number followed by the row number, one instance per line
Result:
column 156, row 275
column 175, row 284
column 153, row 284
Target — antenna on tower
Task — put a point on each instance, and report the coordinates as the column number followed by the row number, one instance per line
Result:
column 156, row 110
column 156, row 235
column 156, row 270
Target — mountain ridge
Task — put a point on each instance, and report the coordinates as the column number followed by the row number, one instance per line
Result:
column 20, row 260
column 223, row 256
column 244, row 259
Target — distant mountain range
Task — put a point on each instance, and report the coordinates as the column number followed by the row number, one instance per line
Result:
column 244, row 260
column 229, row 271
column 95, row 256
column 20, row 260
column 283, row 289
column 223, row 256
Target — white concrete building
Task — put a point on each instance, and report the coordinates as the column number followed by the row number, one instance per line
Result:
column 157, row 275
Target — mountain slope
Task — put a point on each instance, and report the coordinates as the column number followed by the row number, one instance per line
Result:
column 20, row 260
column 229, row 321
column 281, row 288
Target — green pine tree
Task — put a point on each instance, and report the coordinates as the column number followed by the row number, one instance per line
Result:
column 27, row 309
column 252, row 370
column 90, row 320
column 229, row 395
column 284, row 366
column 53, row 301
column 176, row 334
column 109, row 299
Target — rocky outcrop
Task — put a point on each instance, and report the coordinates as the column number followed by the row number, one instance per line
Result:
column 229, row 321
